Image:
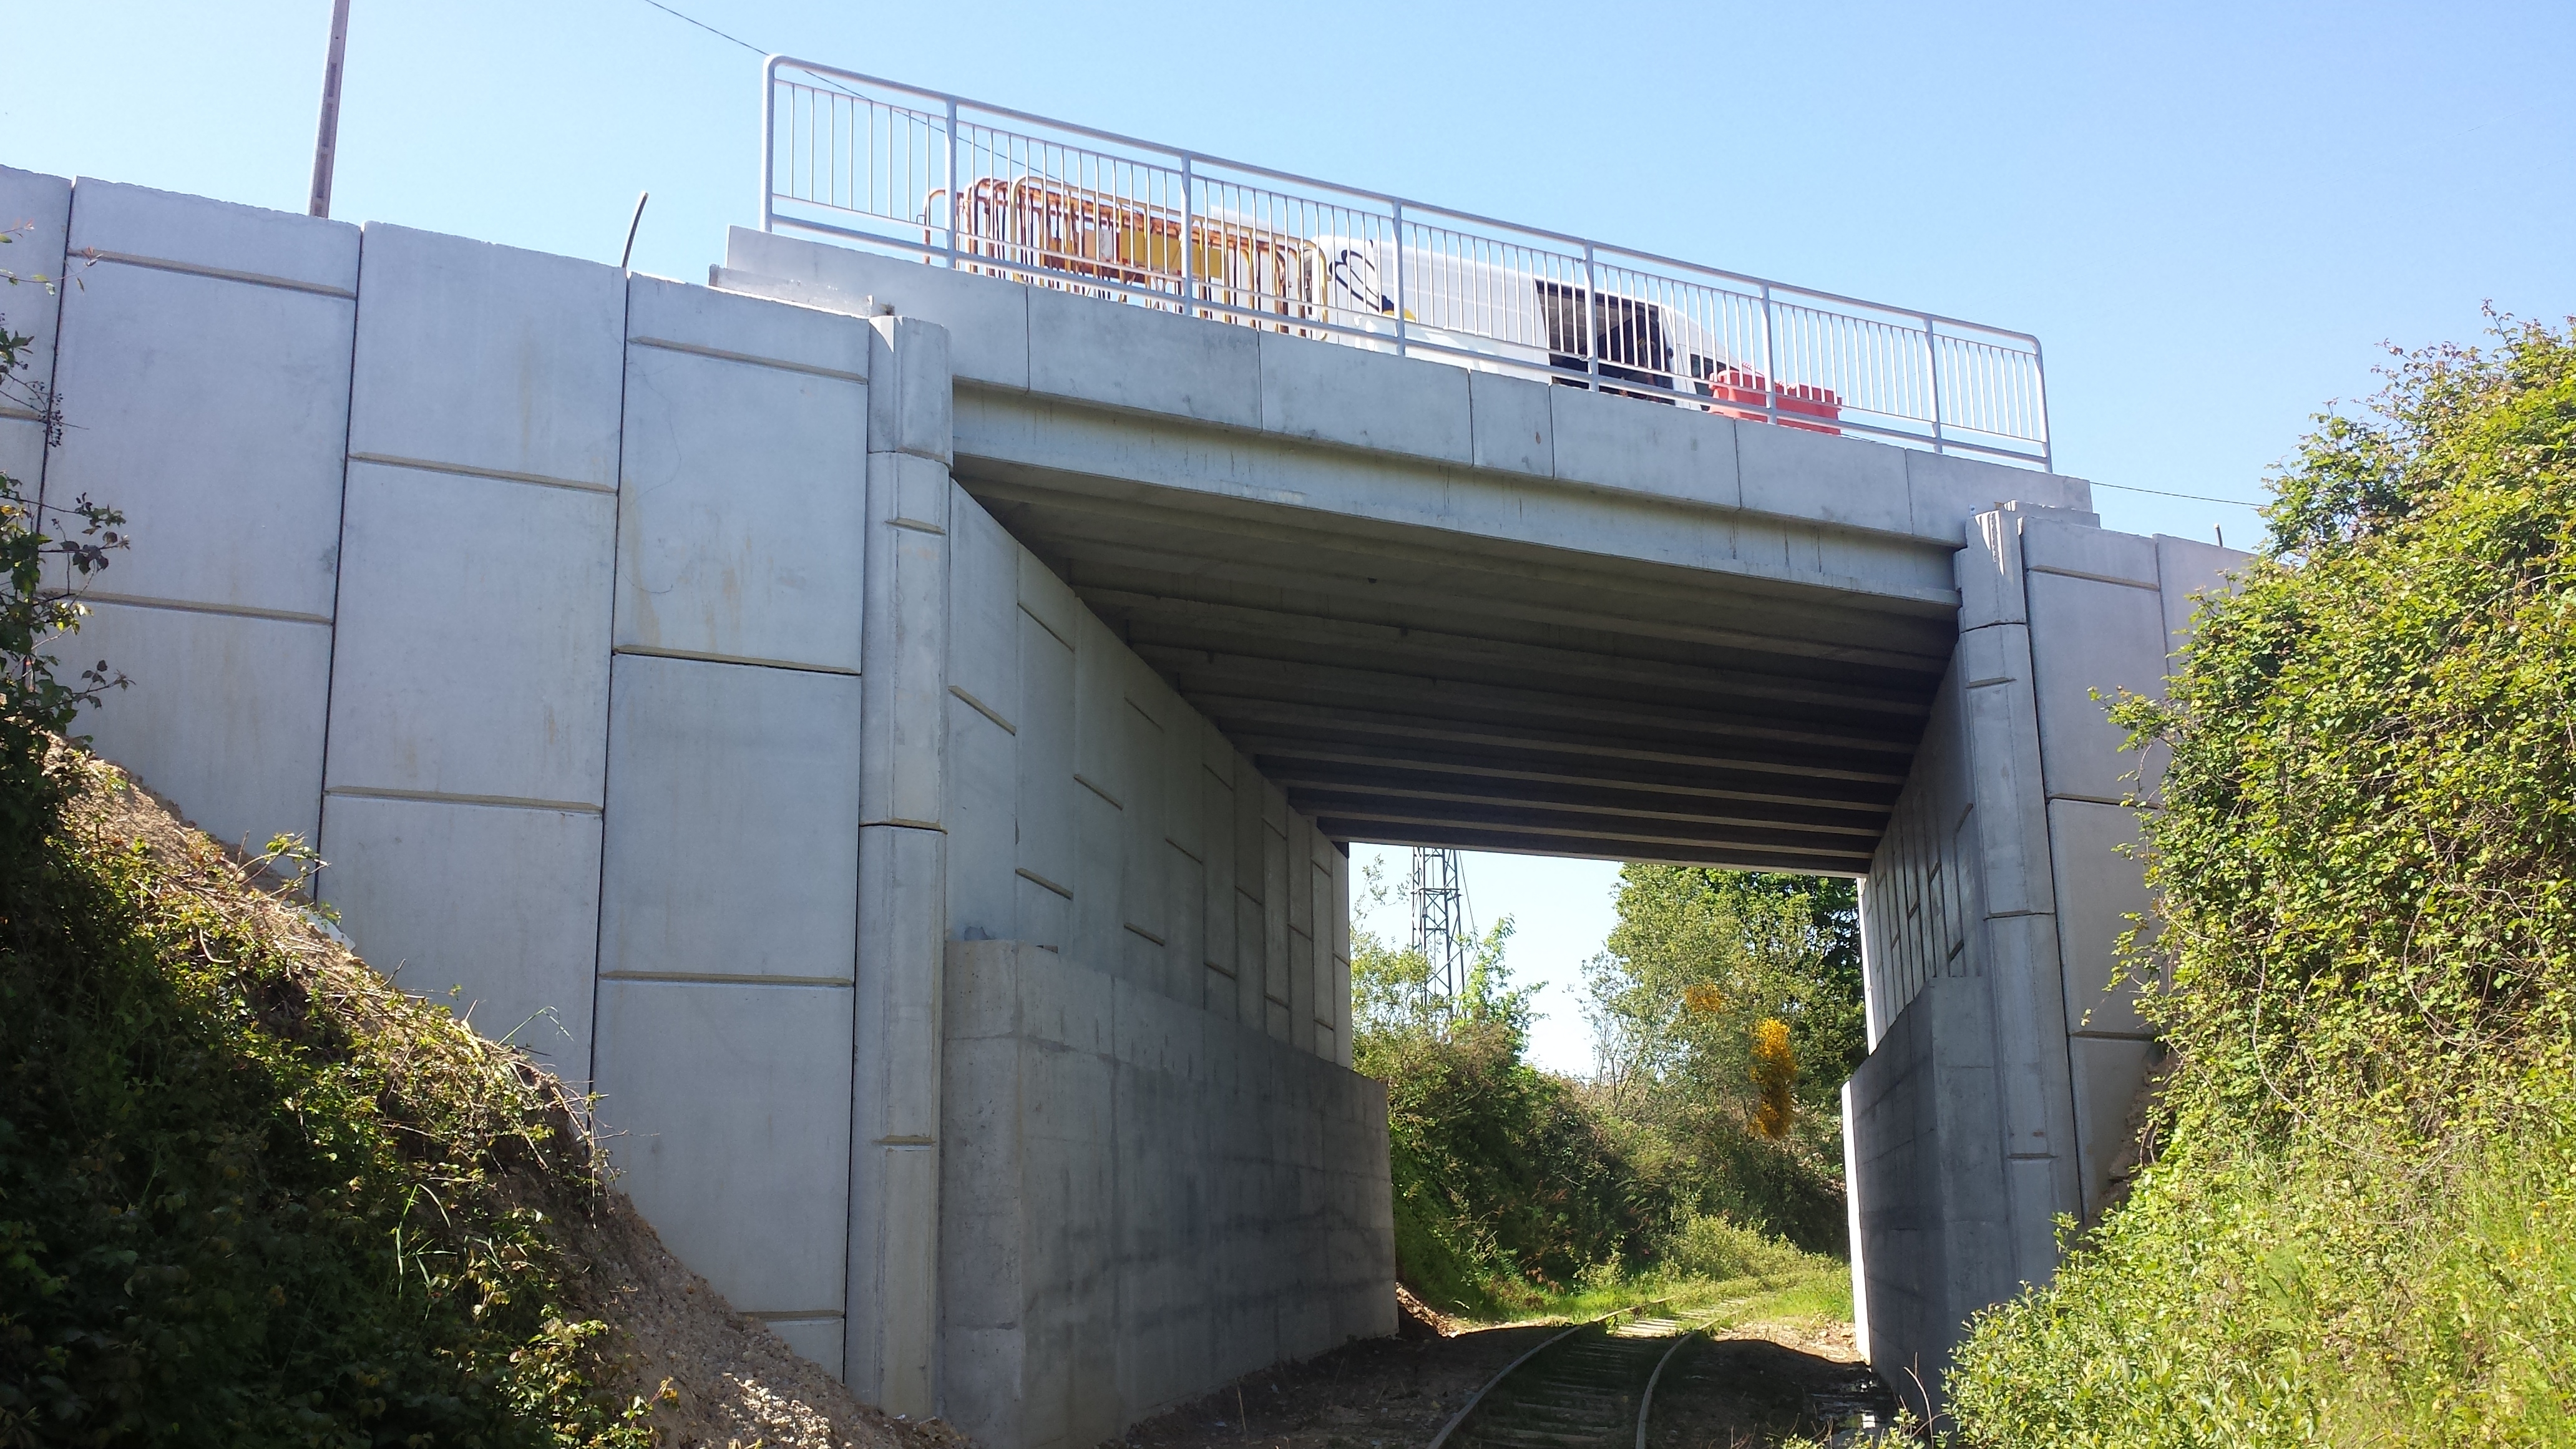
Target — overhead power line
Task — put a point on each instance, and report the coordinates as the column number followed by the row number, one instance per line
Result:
column 2162, row 493
column 709, row 29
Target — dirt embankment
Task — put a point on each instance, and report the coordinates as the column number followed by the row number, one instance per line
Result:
column 715, row 1379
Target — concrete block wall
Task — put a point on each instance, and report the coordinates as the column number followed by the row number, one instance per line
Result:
column 2003, row 1061
column 658, row 700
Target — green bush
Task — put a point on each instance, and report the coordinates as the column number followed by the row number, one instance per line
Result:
column 2358, row 1228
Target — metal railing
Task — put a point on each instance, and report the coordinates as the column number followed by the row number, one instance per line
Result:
column 980, row 188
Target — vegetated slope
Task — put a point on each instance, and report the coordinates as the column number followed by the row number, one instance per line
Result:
column 2361, row 1224
column 252, row 1194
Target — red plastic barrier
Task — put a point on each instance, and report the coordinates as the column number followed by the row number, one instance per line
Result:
column 1736, row 393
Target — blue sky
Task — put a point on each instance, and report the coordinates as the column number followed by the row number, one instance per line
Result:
column 2212, row 216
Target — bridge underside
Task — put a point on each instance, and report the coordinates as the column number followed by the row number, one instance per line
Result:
column 1407, row 690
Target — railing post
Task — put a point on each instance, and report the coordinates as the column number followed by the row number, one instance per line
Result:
column 1591, row 315
column 768, row 143
column 2047, row 445
column 1770, row 359
column 1188, row 210
column 1932, row 352
column 956, row 198
column 1398, row 230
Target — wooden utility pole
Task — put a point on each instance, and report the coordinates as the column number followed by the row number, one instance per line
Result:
column 326, row 144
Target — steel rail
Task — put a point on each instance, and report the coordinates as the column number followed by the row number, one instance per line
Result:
column 1553, row 1340
column 1646, row 1400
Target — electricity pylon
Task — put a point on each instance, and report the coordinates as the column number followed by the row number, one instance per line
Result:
column 1442, row 931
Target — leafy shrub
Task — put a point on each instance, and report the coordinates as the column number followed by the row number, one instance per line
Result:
column 1710, row 1246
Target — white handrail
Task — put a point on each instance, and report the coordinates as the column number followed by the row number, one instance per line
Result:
column 960, row 183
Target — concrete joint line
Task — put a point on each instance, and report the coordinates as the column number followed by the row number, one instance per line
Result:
column 906, row 452
column 1087, row 783
column 221, row 274
column 1027, row 874
column 648, row 651
column 2065, row 573
column 1043, row 624
column 1148, row 935
column 2088, row 799
column 437, row 797
column 794, row 1315
column 463, row 470
column 1225, row 971
column 6, row 411
column 915, row 1140
column 917, row 526
column 986, row 710
column 902, row 823
column 703, row 978
column 752, row 359
column 230, row 611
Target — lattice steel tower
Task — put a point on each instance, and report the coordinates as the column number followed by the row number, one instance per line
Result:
column 1441, row 930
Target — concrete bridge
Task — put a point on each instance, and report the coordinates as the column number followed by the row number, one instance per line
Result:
column 898, row 734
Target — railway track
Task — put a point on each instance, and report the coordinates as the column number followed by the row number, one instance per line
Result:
column 1589, row 1387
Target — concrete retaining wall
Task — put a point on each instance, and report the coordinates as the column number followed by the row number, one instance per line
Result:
column 660, row 702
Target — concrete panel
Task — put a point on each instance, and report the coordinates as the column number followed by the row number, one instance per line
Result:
column 1185, row 957
column 1185, row 781
column 983, row 790
column 473, row 638
column 905, row 641
column 726, row 1109
column 664, row 313
column 497, row 905
column 2089, row 638
column 1125, row 357
column 488, row 359
column 1046, row 598
column 1100, row 745
column 2185, row 569
column 22, row 445
column 742, row 515
column 1216, row 812
column 1511, row 421
column 1989, row 573
column 1046, row 784
column 1328, row 393
column 2098, row 888
column 2109, row 1073
column 815, row 1340
column 222, row 238
column 214, row 414
column 732, row 822
column 1947, row 489
column 1099, row 912
column 983, row 611
column 2003, row 758
column 1146, row 889
column 1046, row 915
column 36, row 209
column 2057, row 545
column 911, row 394
column 1830, row 480
column 1622, row 443
column 987, row 317
column 225, row 714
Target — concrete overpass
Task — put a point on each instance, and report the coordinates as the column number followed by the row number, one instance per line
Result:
column 898, row 733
